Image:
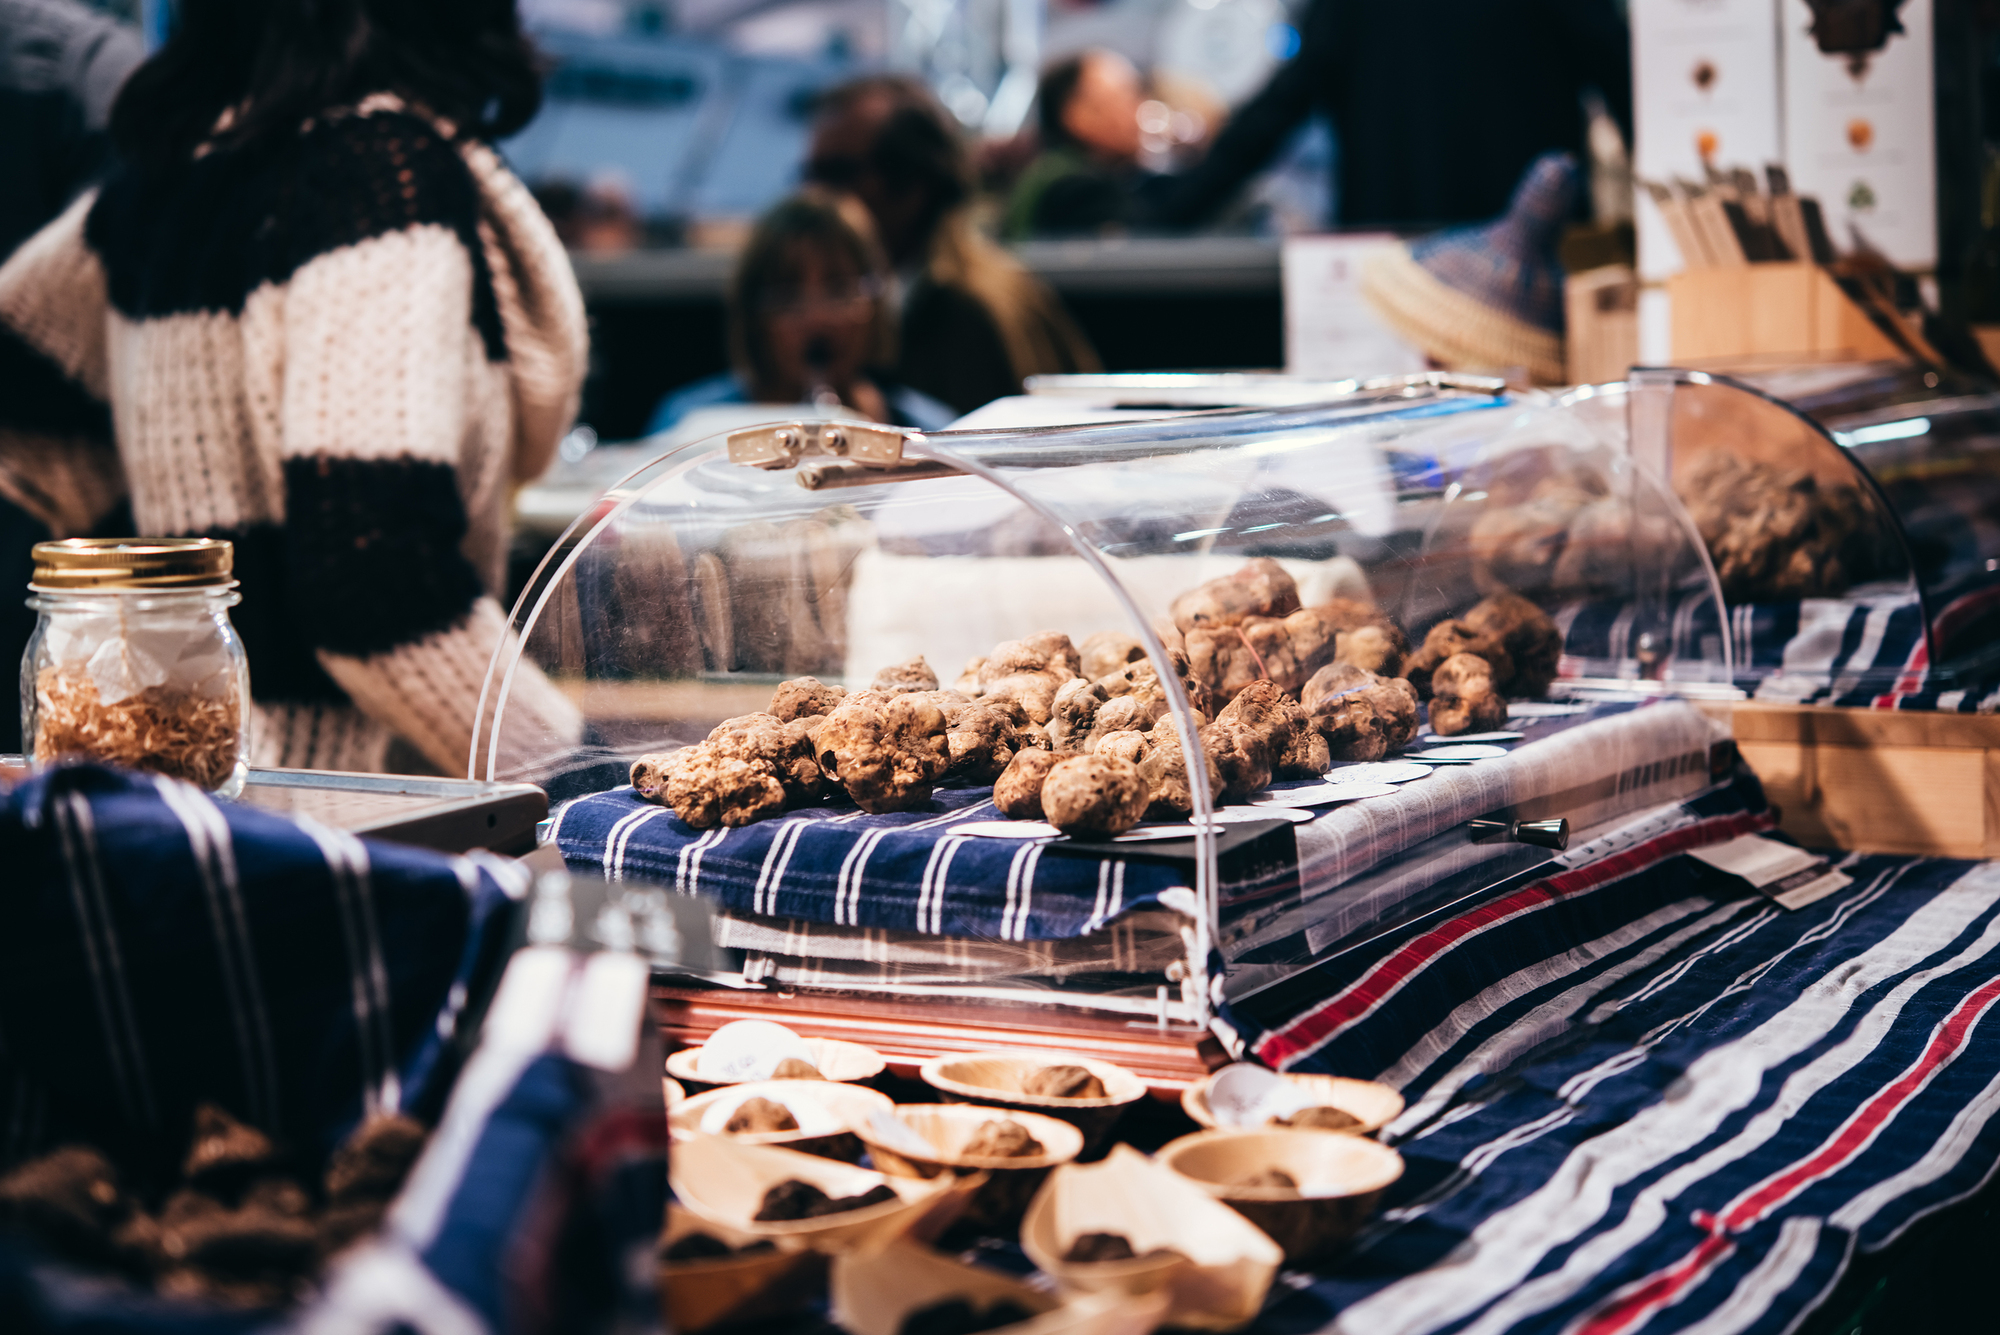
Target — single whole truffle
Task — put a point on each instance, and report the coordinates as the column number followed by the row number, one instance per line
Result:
column 1031, row 670
column 1362, row 716
column 1107, row 651
column 1127, row 744
column 226, row 1154
column 747, row 769
column 372, row 1163
column 1455, row 637
column 1002, row 1140
column 1268, row 1178
column 1298, row 751
column 1064, row 1082
column 1319, row 1119
column 707, row 789
column 984, row 738
column 70, row 1202
column 795, row 1068
column 804, row 697
column 1072, row 714
column 1164, row 770
column 1463, row 698
column 915, row 675
column 1260, row 588
column 1530, row 637
column 1018, row 790
column 1093, row 1248
column 1243, row 757
column 1095, row 795
column 888, row 758
column 793, row 1199
column 1379, row 648
column 760, row 1115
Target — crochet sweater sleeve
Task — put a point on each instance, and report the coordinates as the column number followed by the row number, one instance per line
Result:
column 381, row 357
column 57, row 459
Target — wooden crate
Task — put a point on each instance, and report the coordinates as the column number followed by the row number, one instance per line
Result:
column 1878, row 781
column 1787, row 308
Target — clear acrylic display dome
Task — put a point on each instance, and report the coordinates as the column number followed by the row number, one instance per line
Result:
column 731, row 564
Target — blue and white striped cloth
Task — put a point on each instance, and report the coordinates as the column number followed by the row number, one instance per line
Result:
column 1866, row 650
column 163, row 949
column 1636, row 1103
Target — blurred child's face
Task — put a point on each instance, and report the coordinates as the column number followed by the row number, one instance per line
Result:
column 816, row 319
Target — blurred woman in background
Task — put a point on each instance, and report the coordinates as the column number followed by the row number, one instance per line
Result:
column 330, row 326
column 811, row 322
column 975, row 322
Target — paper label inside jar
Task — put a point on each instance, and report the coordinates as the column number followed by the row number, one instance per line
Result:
column 122, row 666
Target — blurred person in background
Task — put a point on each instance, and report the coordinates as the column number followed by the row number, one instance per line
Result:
column 330, row 326
column 61, row 64
column 811, row 321
column 1083, row 180
column 1438, row 105
column 975, row 323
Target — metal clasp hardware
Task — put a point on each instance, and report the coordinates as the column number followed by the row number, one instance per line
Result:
column 784, row 444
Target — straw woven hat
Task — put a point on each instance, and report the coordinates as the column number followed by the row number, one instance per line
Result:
column 1488, row 297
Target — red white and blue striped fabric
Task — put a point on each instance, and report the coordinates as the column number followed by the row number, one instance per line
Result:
column 1639, row 1104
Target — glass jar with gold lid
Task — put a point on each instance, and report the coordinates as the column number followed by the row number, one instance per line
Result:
column 134, row 661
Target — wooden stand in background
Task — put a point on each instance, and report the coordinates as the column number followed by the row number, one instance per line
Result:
column 1878, row 780
column 1781, row 308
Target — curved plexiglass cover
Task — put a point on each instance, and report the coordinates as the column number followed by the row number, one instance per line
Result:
column 1931, row 448
column 692, row 590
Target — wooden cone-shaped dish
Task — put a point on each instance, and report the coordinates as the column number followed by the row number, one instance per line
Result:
column 849, row 1106
column 875, row 1294
column 724, row 1181
column 1225, row 1264
column 695, row 1295
column 1373, row 1104
column 1340, row 1181
column 996, row 1078
column 835, row 1059
column 1012, row 1181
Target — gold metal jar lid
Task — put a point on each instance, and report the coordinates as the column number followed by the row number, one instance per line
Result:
column 110, row 564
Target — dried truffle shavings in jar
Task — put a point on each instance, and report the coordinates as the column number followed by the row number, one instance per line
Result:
column 134, row 661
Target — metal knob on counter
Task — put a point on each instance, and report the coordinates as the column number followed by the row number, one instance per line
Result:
column 1540, row 833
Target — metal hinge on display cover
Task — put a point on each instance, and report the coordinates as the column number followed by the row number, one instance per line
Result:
column 873, row 453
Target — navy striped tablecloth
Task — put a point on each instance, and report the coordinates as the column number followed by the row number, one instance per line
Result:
column 1636, row 1103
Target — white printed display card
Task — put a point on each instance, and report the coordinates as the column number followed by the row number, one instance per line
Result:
column 1330, row 329
column 1861, row 135
column 1705, row 88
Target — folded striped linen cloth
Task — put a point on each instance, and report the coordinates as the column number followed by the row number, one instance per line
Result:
column 902, row 871
column 788, row 950
column 908, row 872
column 1636, row 1103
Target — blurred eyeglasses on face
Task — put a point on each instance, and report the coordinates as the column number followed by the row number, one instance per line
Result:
column 852, row 299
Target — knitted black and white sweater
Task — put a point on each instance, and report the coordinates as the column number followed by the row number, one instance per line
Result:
column 342, row 355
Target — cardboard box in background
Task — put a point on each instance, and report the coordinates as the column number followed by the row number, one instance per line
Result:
column 1865, row 145
column 1330, row 329
column 1704, row 77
